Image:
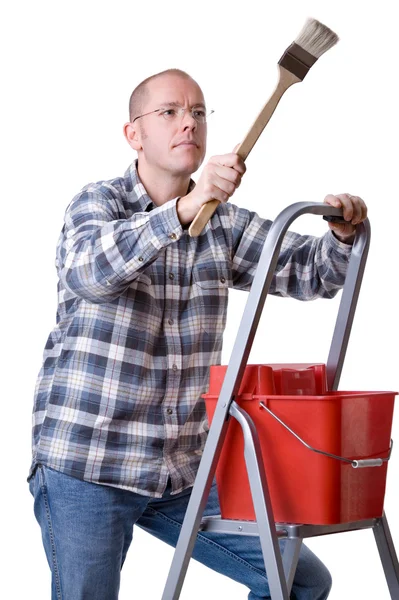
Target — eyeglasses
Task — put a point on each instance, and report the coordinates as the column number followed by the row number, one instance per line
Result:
column 172, row 114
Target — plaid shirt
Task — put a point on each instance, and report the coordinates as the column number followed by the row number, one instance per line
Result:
column 141, row 313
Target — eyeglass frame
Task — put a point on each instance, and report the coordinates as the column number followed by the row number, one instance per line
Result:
column 181, row 110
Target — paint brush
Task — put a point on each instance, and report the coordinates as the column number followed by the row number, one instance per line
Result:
column 313, row 41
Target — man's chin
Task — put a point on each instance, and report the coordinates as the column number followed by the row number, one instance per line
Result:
column 188, row 166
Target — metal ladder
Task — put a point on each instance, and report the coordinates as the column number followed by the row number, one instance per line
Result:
column 280, row 569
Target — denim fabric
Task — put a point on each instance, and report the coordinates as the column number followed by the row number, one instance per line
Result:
column 87, row 530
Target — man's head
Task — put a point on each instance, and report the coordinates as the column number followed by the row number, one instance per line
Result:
column 166, row 137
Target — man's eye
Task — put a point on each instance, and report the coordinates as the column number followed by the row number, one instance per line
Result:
column 169, row 112
column 199, row 113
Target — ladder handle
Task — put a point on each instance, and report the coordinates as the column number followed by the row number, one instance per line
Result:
column 267, row 266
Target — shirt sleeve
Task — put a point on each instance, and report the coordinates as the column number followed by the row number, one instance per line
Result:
column 308, row 267
column 99, row 254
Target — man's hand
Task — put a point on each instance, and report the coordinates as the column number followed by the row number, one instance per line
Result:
column 219, row 179
column 354, row 212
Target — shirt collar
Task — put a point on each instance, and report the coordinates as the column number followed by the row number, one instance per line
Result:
column 137, row 192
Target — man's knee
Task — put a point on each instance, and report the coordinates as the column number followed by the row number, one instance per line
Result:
column 325, row 584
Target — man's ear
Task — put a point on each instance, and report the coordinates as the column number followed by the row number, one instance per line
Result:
column 132, row 135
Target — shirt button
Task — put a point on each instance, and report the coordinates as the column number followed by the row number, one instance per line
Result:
column 170, row 321
column 171, row 276
column 173, row 236
column 141, row 259
column 169, row 411
column 223, row 279
column 174, row 367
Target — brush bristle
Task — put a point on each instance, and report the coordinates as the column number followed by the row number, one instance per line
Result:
column 316, row 38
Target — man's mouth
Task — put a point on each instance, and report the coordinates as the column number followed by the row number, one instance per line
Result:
column 187, row 143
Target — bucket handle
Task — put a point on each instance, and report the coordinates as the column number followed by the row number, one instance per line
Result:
column 358, row 463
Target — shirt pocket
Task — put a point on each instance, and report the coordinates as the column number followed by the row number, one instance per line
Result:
column 212, row 281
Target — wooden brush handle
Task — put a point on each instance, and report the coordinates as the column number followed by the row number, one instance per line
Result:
column 286, row 79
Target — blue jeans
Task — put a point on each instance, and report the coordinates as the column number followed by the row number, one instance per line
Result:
column 87, row 530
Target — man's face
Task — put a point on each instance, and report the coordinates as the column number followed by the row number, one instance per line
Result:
column 176, row 146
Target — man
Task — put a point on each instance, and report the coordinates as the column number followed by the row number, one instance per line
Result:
column 119, row 424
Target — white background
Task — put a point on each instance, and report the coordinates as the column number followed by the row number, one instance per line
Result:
column 68, row 69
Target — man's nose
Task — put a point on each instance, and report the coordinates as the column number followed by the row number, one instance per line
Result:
column 188, row 121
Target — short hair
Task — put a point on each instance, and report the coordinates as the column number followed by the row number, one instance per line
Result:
column 140, row 93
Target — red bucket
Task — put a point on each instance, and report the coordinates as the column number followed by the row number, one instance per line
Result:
column 305, row 487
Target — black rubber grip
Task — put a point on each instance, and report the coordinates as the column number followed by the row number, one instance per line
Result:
column 334, row 219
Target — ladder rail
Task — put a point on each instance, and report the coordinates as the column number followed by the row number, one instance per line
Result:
column 226, row 406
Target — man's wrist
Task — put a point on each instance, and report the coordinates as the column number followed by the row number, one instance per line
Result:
column 345, row 239
column 185, row 210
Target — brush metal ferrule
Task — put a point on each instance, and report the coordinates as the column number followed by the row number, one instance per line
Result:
column 297, row 60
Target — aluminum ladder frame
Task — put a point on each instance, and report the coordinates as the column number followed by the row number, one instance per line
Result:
column 280, row 569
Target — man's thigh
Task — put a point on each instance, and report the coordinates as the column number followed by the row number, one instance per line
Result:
column 236, row 556
column 86, row 530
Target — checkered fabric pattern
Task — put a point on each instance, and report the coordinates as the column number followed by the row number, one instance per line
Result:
column 141, row 314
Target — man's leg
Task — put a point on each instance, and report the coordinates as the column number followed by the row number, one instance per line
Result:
column 86, row 530
column 237, row 557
